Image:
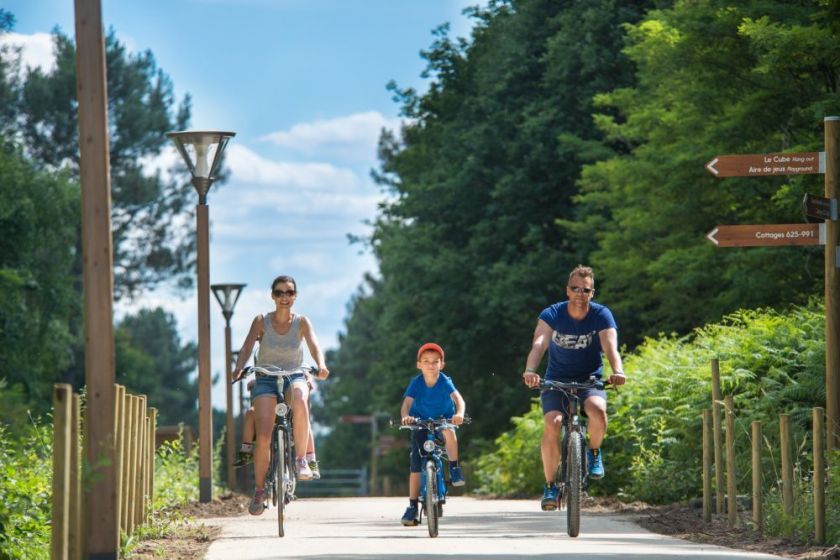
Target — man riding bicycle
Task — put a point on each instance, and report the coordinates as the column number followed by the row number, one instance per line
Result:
column 575, row 332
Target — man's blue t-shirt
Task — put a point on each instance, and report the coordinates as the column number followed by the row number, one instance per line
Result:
column 575, row 348
column 431, row 402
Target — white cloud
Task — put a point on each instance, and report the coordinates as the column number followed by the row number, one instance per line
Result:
column 352, row 137
column 36, row 49
column 249, row 167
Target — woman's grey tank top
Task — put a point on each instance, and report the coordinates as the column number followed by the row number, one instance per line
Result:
column 281, row 350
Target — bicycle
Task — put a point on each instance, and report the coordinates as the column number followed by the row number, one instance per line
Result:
column 281, row 479
column 432, row 480
column 572, row 468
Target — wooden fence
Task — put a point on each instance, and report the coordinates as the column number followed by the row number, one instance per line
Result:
column 134, row 445
column 712, row 450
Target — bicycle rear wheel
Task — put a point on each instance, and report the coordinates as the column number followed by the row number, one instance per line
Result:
column 431, row 498
column 279, row 482
column 573, row 484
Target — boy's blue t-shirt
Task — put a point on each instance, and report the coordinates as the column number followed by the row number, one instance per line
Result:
column 575, row 348
column 431, row 402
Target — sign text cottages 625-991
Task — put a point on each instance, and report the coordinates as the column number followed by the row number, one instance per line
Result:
column 758, row 165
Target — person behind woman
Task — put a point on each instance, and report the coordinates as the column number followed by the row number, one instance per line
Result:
column 280, row 334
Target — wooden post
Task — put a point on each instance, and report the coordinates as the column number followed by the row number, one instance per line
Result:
column 131, row 471
column 75, row 529
column 757, row 510
column 819, row 476
column 732, row 502
column 148, row 445
column 205, row 408
column 152, row 455
column 141, row 474
column 707, row 465
column 101, row 540
column 716, row 400
column 119, row 431
column 832, row 285
column 230, row 438
column 128, row 425
column 62, row 418
column 787, row 464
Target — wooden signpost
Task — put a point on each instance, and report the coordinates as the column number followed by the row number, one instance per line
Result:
column 757, row 165
column 779, row 235
column 771, row 235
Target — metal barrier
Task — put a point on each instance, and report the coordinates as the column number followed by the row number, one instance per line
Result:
column 335, row 483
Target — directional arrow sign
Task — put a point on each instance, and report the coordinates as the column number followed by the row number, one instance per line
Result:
column 756, row 165
column 771, row 235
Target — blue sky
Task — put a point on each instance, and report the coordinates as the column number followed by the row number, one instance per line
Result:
column 302, row 83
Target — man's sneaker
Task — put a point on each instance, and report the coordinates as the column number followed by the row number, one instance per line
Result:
column 549, row 499
column 595, row 458
column 303, row 470
column 316, row 471
column 257, row 505
column 242, row 459
column 409, row 518
column 456, row 476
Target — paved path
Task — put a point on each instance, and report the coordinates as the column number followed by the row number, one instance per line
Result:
column 471, row 529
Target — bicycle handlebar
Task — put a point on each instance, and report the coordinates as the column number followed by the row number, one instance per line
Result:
column 274, row 371
column 429, row 423
column 549, row 385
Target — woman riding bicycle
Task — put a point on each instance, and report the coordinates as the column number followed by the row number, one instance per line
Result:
column 280, row 334
column 575, row 333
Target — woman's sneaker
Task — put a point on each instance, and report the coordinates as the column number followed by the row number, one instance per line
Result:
column 257, row 505
column 303, row 470
column 316, row 471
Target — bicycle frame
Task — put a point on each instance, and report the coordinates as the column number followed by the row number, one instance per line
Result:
column 573, row 471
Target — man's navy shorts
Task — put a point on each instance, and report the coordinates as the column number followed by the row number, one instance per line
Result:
column 556, row 400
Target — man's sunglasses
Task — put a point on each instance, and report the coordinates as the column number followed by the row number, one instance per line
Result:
column 579, row 290
column 287, row 293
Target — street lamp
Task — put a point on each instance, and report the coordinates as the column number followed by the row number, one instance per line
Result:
column 227, row 295
column 202, row 152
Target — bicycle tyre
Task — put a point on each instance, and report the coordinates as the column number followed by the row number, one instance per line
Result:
column 279, row 482
column 431, row 498
column 270, row 475
column 573, row 484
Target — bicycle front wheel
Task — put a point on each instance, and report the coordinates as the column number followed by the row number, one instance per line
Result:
column 432, row 498
column 279, row 483
column 573, row 483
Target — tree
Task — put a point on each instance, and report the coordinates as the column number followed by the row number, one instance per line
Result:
column 38, row 301
column 148, row 245
column 713, row 78
column 150, row 360
column 469, row 249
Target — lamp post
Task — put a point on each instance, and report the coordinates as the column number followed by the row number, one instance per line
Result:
column 202, row 152
column 227, row 295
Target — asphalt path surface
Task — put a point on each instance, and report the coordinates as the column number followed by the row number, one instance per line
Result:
column 471, row 529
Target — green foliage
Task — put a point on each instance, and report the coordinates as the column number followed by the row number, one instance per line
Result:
column 25, row 492
column 713, row 77
column 176, row 475
column 771, row 363
column 468, row 248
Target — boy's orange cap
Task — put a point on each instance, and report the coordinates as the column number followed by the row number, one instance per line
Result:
column 431, row 346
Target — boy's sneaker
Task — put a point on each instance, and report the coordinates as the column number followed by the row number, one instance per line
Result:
column 242, row 459
column 550, row 497
column 456, row 476
column 316, row 471
column 303, row 470
column 595, row 460
column 257, row 505
column 409, row 518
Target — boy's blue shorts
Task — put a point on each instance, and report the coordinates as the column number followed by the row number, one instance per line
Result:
column 417, row 439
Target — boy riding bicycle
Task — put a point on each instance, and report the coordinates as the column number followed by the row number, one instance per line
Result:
column 431, row 394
